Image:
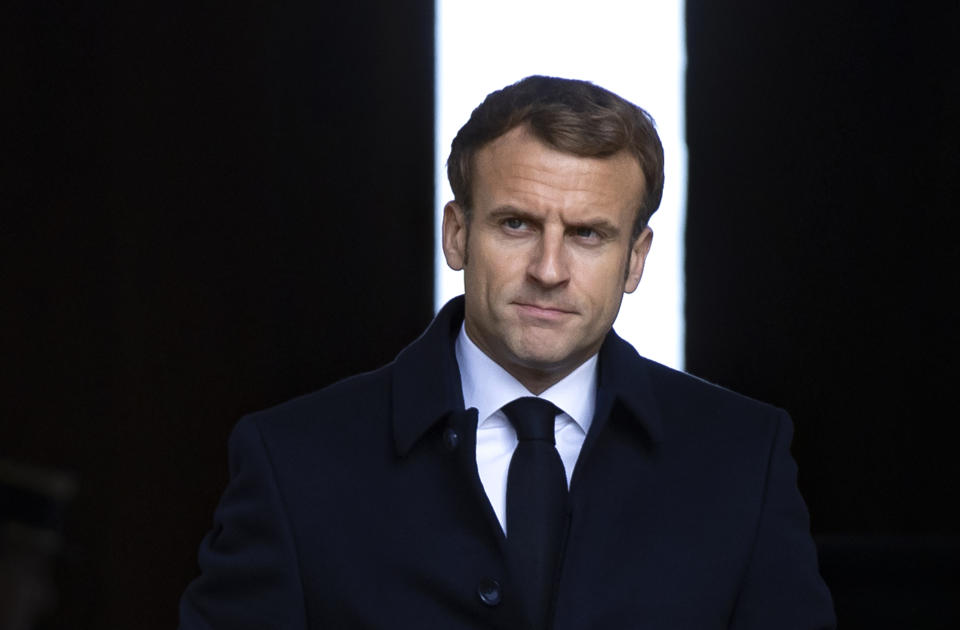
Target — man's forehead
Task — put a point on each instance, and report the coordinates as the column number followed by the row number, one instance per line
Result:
column 519, row 159
column 523, row 138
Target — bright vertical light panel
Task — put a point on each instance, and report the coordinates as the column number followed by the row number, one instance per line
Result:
column 635, row 49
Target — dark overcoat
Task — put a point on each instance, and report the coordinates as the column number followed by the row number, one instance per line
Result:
column 360, row 506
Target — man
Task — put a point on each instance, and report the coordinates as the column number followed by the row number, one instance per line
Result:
column 428, row 494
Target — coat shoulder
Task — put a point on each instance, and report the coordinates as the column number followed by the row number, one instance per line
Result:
column 685, row 385
column 690, row 403
column 362, row 399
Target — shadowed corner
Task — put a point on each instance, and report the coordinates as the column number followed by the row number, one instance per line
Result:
column 33, row 502
column 894, row 581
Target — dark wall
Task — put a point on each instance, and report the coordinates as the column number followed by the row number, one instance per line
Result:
column 822, row 246
column 207, row 209
column 822, row 263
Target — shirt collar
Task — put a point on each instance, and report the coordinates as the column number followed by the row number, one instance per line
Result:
column 488, row 387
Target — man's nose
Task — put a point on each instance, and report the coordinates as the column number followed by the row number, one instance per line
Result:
column 548, row 262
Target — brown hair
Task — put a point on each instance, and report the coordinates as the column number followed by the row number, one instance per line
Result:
column 573, row 116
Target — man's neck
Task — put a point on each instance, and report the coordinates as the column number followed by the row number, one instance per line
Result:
column 535, row 379
column 488, row 386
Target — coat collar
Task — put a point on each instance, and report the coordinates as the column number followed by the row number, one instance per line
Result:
column 625, row 377
column 426, row 381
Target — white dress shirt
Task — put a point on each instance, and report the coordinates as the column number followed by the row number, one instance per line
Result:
column 488, row 387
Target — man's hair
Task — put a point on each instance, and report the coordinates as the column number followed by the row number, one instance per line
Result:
column 572, row 116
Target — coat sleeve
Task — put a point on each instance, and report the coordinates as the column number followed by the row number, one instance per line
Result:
column 783, row 588
column 249, row 573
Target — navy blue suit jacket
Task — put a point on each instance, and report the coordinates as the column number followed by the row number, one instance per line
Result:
column 360, row 506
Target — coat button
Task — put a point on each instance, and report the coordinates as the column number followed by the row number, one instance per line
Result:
column 451, row 439
column 489, row 591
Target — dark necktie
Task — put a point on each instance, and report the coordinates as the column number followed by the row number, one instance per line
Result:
column 536, row 500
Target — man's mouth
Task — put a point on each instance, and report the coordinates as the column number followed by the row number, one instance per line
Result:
column 548, row 312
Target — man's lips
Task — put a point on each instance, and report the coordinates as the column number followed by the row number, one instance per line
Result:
column 543, row 311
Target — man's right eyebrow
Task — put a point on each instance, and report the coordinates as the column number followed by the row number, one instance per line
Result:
column 502, row 212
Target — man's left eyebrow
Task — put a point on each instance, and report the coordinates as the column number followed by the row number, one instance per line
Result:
column 600, row 225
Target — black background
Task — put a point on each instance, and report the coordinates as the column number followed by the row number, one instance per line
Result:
column 209, row 209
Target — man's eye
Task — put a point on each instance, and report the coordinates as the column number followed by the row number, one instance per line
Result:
column 586, row 232
column 513, row 223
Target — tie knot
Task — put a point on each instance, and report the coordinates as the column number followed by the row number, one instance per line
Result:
column 532, row 418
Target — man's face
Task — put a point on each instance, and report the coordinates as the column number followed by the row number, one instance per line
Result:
column 550, row 253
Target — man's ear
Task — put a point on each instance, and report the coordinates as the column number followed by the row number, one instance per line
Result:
column 454, row 235
column 638, row 256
